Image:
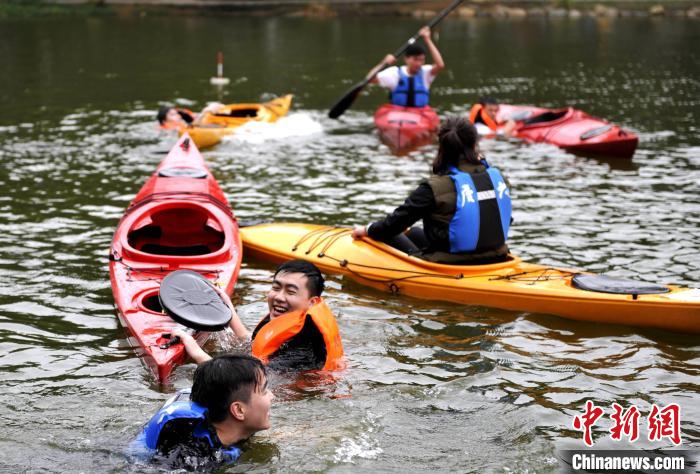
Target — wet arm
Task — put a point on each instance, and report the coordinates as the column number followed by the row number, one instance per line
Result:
column 438, row 62
column 209, row 109
column 191, row 347
column 235, row 324
column 388, row 60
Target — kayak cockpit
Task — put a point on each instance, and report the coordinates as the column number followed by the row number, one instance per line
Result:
column 548, row 117
column 444, row 268
column 177, row 231
column 246, row 112
column 151, row 302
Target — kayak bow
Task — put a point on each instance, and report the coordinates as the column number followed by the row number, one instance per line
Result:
column 214, row 127
column 404, row 129
column 180, row 219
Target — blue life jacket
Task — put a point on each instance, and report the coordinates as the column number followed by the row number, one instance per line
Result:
column 179, row 407
column 411, row 91
column 482, row 215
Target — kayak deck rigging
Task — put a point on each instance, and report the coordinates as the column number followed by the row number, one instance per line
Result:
column 511, row 285
column 327, row 237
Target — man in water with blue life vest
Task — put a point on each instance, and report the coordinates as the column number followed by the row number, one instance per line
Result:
column 465, row 206
column 229, row 402
column 299, row 331
column 410, row 84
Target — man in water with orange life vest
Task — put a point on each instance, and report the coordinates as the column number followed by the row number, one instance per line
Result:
column 299, row 330
column 484, row 115
column 410, row 84
column 173, row 118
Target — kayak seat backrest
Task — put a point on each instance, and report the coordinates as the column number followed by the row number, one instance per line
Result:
column 177, row 231
column 620, row 286
column 305, row 351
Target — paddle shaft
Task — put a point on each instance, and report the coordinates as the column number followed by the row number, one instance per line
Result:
column 349, row 97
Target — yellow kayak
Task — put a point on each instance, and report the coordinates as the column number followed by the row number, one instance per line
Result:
column 512, row 285
column 213, row 127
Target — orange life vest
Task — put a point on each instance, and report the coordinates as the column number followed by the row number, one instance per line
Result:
column 272, row 335
column 474, row 113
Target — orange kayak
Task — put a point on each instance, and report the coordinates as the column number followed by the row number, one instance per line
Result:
column 180, row 219
column 512, row 285
column 214, row 127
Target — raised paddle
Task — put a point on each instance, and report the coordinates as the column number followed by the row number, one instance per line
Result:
column 349, row 97
column 191, row 300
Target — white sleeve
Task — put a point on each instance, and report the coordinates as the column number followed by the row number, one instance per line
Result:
column 389, row 78
column 482, row 129
column 428, row 77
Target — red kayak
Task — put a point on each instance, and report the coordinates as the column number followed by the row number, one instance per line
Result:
column 404, row 129
column 180, row 219
column 573, row 130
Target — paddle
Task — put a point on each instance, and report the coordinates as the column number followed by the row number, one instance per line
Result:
column 191, row 300
column 349, row 97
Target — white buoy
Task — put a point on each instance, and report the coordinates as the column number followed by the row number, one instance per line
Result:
column 219, row 79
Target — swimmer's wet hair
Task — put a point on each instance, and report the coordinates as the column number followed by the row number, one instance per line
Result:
column 226, row 379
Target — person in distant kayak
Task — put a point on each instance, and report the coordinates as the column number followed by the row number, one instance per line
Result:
column 299, row 330
column 173, row 118
column 465, row 206
column 410, row 84
column 229, row 402
column 484, row 116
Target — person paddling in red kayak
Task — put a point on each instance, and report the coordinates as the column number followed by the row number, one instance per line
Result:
column 465, row 206
column 299, row 330
column 484, row 116
column 173, row 118
column 410, row 84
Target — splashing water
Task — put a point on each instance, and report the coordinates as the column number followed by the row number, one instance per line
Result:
column 294, row 125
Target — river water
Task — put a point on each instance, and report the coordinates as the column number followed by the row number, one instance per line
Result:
column 430, row 385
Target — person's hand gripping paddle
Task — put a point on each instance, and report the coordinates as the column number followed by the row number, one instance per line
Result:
column 193, row 301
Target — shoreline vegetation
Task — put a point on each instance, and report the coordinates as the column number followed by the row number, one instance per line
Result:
column 497, row 9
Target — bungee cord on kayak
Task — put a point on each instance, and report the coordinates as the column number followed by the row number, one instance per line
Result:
column 159, row 271
column 191, row 195
column 328, row 236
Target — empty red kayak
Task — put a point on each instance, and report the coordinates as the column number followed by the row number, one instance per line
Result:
column 573, row 130
column 404, row 129
column 180, row 219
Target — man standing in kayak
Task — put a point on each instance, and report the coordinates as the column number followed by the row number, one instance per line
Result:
column 410, row 84
column 297, row 285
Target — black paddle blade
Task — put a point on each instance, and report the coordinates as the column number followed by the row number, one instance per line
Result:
column 346, row 101
column 191, row 300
